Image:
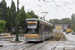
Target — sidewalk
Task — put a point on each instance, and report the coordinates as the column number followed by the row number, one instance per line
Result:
column 11, row 41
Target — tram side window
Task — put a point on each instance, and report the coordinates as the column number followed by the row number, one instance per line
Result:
column 51, row 30
column 48, row 30
column 45, row 29
column 41, row 28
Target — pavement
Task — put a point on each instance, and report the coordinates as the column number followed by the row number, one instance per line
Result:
column 69, row 44
column 62, row 45
column 10, row 40
column 70, row 37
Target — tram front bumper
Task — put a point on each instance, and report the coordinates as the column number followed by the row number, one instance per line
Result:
column 32, row 39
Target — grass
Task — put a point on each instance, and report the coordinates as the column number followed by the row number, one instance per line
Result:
column 57, row 36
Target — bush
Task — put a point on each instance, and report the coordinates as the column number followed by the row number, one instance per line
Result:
column 2, row 25
column 64, row 30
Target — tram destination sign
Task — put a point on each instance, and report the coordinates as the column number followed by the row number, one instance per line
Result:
column 31, row 21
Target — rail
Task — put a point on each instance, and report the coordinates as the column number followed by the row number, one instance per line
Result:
column 23, row 46
column 57, row 43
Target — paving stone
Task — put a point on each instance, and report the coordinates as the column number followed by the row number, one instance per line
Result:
column 70, row 48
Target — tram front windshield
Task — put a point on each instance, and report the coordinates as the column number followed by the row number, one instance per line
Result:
column 32, row 30
column 32, row 27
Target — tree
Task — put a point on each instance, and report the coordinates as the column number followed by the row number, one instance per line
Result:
column 73, row 21
column 3, row 14
column 31, row 13
column 66, row 21
column 51, row 21
column 41, row 18
column 8, row 22
column 54, row 21
column 0, row 10
column 61, row 21
column 2, row 25
column 13, row 12
column 22, row 16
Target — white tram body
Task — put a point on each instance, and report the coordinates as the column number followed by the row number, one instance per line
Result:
column 38, row 30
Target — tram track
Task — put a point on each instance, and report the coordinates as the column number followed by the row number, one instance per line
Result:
column 47, row 43
column 34, row 46
column 58, row 42
column 38, row 46
column 24, row 46
column 30, row 45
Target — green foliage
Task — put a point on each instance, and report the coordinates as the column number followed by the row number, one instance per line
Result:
column 3, row 14
column 73, row 21
column 65, row 21
column 41, row 18
column 13, row 12
column 54, row 21
column 31, row 13
column 64, row 30
column 61, row 21
column 2, row 25
column 7, row 14
column 22, row 16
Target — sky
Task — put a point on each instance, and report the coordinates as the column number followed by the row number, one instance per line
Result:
column 50, row 9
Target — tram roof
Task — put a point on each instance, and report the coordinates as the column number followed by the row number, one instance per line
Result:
column 39, row 20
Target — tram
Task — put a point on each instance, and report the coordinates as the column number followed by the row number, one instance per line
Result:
column 38, row 30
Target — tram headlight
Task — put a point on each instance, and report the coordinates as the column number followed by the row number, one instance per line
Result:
column 25, row 35
column 37, row 35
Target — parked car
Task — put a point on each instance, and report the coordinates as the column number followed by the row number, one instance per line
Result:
column 67, row 32
column 73, row 32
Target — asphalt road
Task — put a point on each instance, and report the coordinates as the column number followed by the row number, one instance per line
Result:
column 62, row 45
column 70, row 37
column 69, row 44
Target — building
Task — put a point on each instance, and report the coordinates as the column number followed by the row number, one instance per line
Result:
column 60, row 27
